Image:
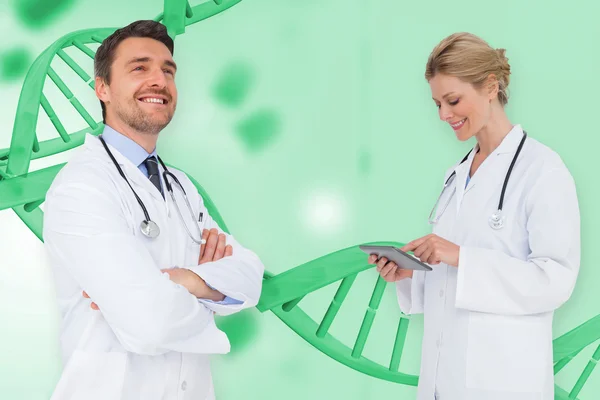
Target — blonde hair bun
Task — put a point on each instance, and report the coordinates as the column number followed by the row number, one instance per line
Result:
column 470, row 58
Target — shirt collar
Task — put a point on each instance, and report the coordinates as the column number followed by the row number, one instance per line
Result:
column 127, row 147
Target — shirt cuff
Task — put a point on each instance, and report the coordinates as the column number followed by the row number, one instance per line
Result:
column 226, row 301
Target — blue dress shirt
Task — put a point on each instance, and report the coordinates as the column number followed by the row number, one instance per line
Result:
column 137, row 155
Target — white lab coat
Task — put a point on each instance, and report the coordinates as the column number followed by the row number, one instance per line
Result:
column 151, row 339
column 488, row 323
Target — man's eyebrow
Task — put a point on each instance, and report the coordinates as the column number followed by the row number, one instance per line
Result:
column 138, row 59
column 171, row 64
column 147, row 59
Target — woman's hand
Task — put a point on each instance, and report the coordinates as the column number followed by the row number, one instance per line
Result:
column 388, row 270
column 432, row 249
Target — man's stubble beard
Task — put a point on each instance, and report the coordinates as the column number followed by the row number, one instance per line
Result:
column 138, row 120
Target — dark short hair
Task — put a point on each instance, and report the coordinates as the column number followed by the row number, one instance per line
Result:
column 105, row 54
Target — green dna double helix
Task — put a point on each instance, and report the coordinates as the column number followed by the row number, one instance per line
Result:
column 24, row 191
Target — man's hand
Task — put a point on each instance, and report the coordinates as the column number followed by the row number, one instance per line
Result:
column 188, row 279
column 193, row 283
column 215, row 247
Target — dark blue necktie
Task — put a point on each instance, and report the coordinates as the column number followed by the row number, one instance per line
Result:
column 153, row 173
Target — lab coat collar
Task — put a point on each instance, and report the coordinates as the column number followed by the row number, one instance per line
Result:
column 510, row 142
column 509, row 145
column 93, row 144
column 126, row 146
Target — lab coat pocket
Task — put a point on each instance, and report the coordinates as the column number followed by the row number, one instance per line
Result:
column 196, row 227
column 211, row 392
column 507, row 353
column 197, row 368
column 92, row 376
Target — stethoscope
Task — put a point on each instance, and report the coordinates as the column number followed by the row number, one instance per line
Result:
column 148, row 227
column 496, row 220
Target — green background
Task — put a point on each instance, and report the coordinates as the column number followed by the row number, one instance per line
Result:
column 312, row 127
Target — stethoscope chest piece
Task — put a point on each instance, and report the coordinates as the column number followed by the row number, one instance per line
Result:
column 149, row 229
column 497, row 220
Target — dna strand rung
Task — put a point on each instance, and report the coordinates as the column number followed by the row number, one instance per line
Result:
column 367, row 322
column 75, row 67
column 283, row 293
column 81, row 46
column 585, row 374
column 566, row 349
column 72, row 99
column 361, row 339
column 335, row 305
column 25, row 145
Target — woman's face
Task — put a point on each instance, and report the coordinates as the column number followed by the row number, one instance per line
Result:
column 466, row 109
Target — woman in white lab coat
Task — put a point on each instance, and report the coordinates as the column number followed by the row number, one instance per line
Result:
column 497, row 276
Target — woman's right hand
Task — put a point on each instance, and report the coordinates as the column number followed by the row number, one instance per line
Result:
column 388, row 270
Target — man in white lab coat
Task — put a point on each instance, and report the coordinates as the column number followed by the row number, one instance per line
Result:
column 138, row 308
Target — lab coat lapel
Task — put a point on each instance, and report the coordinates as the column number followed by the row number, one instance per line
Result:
column 138, row 178
column 490, row 174
column 158, row 208
column 511, row 141
column 461, row 177
column 133, row 174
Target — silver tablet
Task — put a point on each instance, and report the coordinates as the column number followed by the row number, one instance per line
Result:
column 402, row 259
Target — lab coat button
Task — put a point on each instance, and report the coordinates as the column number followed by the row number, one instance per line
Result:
column 441, row 293
column 183, row 385
column 437, row 343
